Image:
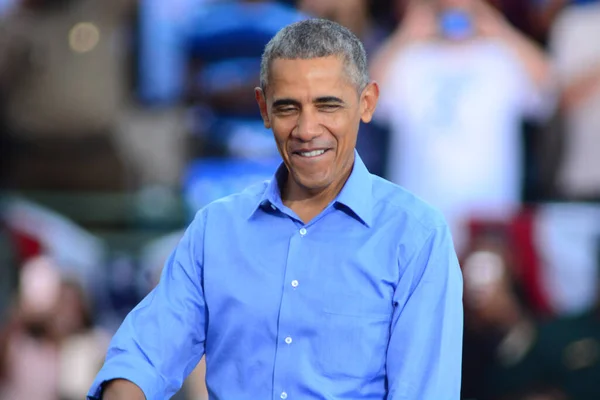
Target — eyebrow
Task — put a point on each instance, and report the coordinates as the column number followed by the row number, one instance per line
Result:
column 329, row 99
column 285, row 102
column 318, row 100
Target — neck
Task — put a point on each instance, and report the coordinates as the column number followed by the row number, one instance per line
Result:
column 307, row 203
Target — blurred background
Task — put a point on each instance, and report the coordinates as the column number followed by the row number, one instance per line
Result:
column 120, row 118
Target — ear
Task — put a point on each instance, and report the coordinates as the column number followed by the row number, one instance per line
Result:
column 368, row 102
column 261, row 99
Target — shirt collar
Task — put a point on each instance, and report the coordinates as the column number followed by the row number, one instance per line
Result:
column 356, row 194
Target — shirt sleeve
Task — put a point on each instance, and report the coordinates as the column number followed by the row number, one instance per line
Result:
column 425, row 351
column 162, row 339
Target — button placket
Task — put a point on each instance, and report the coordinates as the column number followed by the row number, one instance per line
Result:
column 288, row 320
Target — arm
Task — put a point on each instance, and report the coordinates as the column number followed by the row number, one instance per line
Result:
column 490, row 23
column 384, row 58
column 533, row 58
column 121, row 389
column 197, row 382
column 162, row 339
column 581, row 88
column 388, row 66
column 419, row 25
column 425, row 351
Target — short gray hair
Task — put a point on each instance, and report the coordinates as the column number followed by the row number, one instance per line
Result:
column 315, row 38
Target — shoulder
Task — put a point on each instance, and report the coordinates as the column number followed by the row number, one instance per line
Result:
column 234, row 206
column 415, row 218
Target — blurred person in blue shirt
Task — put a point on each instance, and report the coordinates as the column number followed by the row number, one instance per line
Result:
column 224, row 44
column 325, row 282
column 206, row 53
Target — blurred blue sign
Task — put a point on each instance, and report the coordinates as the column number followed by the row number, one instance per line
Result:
column 210, row 179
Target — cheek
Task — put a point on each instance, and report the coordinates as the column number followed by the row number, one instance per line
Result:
column 343, row 129
column 282, row 138
column 282, row 131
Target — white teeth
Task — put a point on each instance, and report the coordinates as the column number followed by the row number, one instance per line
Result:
column 313, row 153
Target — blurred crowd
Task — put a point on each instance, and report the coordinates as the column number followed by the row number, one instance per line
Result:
column 120, row 118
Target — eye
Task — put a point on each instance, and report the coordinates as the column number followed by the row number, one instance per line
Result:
column 285, row 110
column 329, row 107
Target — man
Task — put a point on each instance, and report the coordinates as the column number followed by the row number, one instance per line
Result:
column 458, row 82
column 324, row 283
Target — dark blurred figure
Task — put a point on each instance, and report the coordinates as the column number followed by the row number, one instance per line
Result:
column 62, row 79
column 510, row 353
column 356, row 16
column 560, row 361
column 498, row 327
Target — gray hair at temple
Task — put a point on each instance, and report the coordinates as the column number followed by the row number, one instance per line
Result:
column 316, row 38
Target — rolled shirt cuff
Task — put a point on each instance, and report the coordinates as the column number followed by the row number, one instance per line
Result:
column 142, row 376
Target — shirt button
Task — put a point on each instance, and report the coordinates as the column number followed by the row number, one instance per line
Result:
column 284, row 395
column 288, row 340
column 273, row 207
column 302, row 231
column 295, row 283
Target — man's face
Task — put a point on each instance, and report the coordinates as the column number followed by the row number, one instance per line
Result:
column 315, row 111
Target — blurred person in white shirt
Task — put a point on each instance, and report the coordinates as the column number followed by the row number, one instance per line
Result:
column 459, row 82
column 576, row 54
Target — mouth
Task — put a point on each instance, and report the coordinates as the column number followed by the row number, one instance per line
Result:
column 311, row 153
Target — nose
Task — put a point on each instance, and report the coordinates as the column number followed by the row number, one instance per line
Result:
column 309, row 127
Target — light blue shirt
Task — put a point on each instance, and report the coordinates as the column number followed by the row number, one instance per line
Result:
column 363, row 302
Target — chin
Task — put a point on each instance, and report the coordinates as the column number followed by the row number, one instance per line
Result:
column 313, row 184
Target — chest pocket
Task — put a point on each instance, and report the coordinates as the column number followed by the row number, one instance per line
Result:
column 354, row 337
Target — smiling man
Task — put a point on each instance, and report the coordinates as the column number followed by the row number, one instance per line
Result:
column 324, row 283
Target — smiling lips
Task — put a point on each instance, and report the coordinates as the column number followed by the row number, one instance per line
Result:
column 312, row 153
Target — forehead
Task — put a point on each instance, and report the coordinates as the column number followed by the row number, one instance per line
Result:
column 308, row 77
